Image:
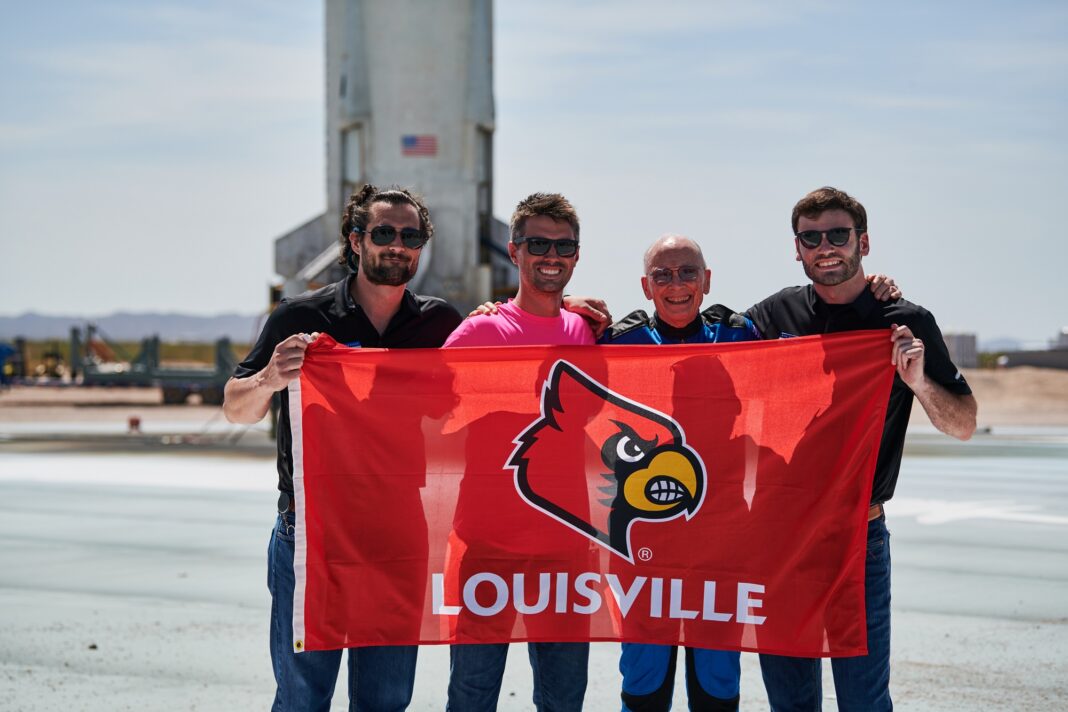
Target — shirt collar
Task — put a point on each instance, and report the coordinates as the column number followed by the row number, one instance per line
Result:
column 862, row 305
column 345, row 304
column 675, row 333
column 343, row 301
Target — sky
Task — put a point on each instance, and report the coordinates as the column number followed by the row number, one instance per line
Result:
column 150, row 152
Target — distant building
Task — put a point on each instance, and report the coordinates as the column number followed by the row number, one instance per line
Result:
column 1054, row 357
column 962, row 349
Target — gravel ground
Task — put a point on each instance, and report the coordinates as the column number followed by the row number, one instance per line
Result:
column 115, row 596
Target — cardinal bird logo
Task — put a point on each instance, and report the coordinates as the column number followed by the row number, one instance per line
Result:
column 634, row 461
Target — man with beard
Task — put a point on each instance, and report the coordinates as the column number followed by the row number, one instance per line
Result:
column 545, row 247
column 830, row 238
column 382, row 235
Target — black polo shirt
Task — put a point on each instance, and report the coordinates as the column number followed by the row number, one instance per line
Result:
column 420, row 323
column 798, row 311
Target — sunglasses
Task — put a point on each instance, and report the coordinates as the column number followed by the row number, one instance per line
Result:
column 538, row 246
column 663, row 276
column 385, row 235
column 837, row 236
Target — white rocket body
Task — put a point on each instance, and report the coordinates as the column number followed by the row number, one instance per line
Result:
column 415, row 74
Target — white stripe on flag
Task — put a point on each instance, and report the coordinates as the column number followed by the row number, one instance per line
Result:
column 300, row 534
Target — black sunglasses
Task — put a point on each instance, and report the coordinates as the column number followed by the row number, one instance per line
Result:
column 385, row 235
column 663, row 275
column 837, row 236
column 538, row 246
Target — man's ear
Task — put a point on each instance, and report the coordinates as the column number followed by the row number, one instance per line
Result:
column 646, row 289
column 864, row 245
column 797, row 250
column 708, row 280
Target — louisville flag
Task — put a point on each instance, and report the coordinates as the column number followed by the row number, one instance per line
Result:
column 708, row 495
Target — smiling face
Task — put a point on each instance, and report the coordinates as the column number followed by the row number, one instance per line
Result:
column 548, row 273
column 827, row 265
column 392, row 264
column 678, row 301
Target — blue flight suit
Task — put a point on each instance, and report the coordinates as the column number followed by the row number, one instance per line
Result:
column 712, row 676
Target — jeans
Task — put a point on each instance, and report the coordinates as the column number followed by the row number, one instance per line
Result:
column 712, row 677
column 860, row 683
column 381, row 678
column 477, row 668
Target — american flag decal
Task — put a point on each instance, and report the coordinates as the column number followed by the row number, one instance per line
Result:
column 422, row 145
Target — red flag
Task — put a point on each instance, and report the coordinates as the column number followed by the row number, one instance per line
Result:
column 711, row 495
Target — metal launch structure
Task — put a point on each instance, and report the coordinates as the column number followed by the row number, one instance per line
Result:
column 409, row 101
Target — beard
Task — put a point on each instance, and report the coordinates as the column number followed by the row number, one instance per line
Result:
column 389, row 272
column 849, row 268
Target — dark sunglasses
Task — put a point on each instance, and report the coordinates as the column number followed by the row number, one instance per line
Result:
column 663, row 276
column 538, row 246
column 385, row 235
column 837, row 236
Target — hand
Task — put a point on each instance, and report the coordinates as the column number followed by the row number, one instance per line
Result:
column 286, row 361
column 907, row 355
column 883, row 287
column 593, row 310
column 484, row 309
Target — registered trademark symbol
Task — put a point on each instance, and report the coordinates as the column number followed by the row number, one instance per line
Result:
column 645, row 553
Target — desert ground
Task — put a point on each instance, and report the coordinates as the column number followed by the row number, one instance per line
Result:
column 134, row 579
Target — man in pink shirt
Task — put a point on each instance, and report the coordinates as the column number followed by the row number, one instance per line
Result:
column 545, row 248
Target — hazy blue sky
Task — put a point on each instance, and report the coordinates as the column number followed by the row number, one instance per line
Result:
column 151, row 151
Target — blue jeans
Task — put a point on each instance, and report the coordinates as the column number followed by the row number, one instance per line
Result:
column 477, row 668
column 381, row 678
column 712, row 677
column 860, row 683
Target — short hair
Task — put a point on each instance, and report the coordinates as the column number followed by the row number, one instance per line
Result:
column 551, row 205
column 358, row 211
column 680, row 240
column 828, row 198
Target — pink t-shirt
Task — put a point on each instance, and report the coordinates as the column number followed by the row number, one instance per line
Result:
column 511, row 326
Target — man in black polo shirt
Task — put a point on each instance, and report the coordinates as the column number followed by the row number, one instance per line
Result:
column 382, row 234
column 831, row 237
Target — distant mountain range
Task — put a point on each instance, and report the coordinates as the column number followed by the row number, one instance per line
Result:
column 129, row 326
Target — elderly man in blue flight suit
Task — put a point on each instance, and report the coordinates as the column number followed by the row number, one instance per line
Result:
column 676, row 279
